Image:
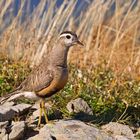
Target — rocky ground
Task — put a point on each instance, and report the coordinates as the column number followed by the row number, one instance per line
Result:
column 16, row 123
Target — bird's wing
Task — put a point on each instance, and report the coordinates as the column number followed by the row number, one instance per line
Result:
column 38, row 80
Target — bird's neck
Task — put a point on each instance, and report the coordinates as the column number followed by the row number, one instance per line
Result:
column 58, row 55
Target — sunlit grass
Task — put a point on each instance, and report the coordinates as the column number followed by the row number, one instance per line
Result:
column 11, row 75
column 106, row 73
column 111, row 98
column 107, row 95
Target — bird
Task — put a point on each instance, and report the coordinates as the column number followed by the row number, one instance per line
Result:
column 49, row 77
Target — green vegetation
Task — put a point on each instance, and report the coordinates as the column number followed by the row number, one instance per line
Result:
column 11, row 75
column 111, row 97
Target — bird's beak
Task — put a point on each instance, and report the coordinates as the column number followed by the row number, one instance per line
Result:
column 80, row 43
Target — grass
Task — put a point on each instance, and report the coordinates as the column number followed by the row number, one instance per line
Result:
column 111, row 98
column 11, row 75
column 106, row 73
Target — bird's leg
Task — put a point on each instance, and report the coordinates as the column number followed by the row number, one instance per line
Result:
column 40, row 115
column 44, row 110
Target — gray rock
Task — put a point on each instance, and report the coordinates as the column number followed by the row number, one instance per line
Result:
column 79, row 105
column 3, row 134
column 21, row 108
column 35, row 106
column 17, row 131
column 34, row 116
column 8, row 104
column 3, row 131
column 119, row 137
column 3, row 124
column 118, row 129
column 70, row 130
column 6, row 113
column 5, row 137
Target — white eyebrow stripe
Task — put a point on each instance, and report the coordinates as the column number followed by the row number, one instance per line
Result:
column 65, row 34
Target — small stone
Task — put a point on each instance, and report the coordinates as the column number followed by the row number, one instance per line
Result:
column 118, row 137
column 5, row 137
column 2, row 133
column 17, row 131
column 21, row 108
column 118, row 129
column 35, row 114
column 35, row 106
column 6, row 113
column 3, row 130
column 34, row 117
column 79, row 105
column 8, row 104
column 3, row 124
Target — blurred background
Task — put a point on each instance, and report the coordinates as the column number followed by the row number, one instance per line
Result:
column 106, row 73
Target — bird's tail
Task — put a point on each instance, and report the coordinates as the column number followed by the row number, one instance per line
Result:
column 11, row 96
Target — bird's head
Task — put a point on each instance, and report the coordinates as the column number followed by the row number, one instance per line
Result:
column 69, row 38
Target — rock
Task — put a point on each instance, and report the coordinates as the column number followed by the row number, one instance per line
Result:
column 70, row 130
column 138, row 132
column 8, row 104
column 3, row 130
column 5, row 137
column 3, row 124
column 35, row 115
column 6, row 113
column 119, row 130
column 21, row 108
column 118, row 137
column 17, row 131
column 12, row 132
column 35, row 106
column 79, row 105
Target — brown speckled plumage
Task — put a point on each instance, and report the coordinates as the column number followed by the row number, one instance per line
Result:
column 52, row 74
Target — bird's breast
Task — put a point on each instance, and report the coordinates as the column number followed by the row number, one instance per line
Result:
column 59, row 81
column 61, row 78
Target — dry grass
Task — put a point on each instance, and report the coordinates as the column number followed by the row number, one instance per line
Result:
column 110, row 36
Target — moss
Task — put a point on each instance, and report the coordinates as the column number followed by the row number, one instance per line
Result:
column 11, row 75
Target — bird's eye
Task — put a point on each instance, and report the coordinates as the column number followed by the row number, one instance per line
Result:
column 68, row 36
